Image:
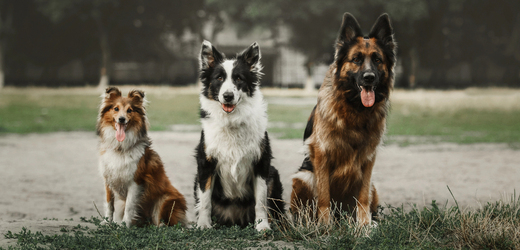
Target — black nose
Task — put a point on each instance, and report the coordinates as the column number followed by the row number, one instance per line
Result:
column 369, row 77
column 228, row 96
column 122, row 120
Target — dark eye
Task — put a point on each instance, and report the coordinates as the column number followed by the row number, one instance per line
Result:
column 116, row 109
column 239, row 79
column 129, row 111
column 220, row 78
column 356, row 60
column 378, row 61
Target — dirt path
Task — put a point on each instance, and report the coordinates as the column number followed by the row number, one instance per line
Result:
column 56, row 175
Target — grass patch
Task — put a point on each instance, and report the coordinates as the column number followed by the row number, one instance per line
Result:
column 493, row 226
column 457, row 125
column 29, row 112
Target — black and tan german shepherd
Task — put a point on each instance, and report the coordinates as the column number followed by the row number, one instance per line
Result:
column 347, row 124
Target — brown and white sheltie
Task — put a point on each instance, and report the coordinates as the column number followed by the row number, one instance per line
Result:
column 137, row 188
column 347, row 125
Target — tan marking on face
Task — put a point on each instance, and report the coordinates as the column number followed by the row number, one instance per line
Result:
column 208, row 183
column 363, row 50
column 123, row 104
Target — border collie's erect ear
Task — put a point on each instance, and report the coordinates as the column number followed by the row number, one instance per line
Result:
column 112, row 93
column 209, row 55
column 252, row 56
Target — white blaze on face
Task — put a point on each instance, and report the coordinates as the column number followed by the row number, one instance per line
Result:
column 228, row 87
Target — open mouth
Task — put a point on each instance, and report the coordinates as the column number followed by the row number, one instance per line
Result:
column 228, row 108
column 120, row 131
column 368, row 96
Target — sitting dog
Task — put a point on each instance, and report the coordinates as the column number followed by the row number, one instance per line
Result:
column 235, row 181
column 347, row 124
column 133, row 172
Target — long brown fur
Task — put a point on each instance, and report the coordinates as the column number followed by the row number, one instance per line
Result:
column 158, row 202
column 343, row 135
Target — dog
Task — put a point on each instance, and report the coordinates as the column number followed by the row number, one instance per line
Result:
column 138, row 191
column 347, row 125
column 235, row 182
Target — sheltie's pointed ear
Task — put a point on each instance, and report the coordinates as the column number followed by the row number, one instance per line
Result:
column 252, row 56
column 111, row 93
column 383, row 32
column 209, row 55
column 137, row 97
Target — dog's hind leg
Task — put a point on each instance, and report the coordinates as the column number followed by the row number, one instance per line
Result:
column 303, row 193
column 275, row 202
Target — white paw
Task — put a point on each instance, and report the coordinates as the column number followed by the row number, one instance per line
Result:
column 128, row 222
column 263, row 225
column 204, row 223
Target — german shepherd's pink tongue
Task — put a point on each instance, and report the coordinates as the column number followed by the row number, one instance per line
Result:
column 228, row 107
column 120, row 132
column 368, row 97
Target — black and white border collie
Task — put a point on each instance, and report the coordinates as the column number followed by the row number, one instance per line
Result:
column 235, row 182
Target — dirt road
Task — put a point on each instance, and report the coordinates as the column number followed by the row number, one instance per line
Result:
column 56, row 175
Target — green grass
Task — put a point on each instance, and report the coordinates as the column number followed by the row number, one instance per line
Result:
column 493, row 226
column 32, row 113
column 457, row 125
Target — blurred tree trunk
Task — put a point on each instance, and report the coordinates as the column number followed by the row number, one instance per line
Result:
column 6, row 20
column 2, row 70
column 408, row 60
column 105, row 73
column 106, row 57
column 309, row 81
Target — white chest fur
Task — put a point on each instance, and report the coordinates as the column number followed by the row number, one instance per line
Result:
column 235, row 141
column 118, row 167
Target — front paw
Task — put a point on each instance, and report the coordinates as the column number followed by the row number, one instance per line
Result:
column 324, row 216
column 204, row 223
column 263, row 225
column 128, row 222
column 105, row 222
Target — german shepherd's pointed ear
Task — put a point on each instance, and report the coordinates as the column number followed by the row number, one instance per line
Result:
column 252, row 56
column 348, row 32
column 384, row 33
column 382, row 29
column 209, row 55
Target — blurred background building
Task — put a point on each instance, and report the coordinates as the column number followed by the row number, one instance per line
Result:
column 442, row 43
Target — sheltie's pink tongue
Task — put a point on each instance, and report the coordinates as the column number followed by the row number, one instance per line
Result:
column 368, row 97
column 228, row 107
column 120, row 132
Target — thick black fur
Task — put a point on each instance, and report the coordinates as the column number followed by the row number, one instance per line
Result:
column 262, row 168
column 243, row 77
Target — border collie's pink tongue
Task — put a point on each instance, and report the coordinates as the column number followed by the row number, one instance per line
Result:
column 368, row 97
column 228, row 107
column 120, row 132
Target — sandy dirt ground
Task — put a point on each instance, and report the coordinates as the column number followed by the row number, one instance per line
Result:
column 47, row 176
